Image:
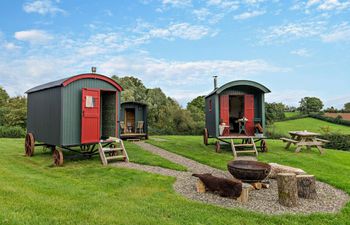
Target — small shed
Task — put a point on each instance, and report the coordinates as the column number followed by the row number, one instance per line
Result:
column 74, row 111
column 233, row 101
column 133, row 120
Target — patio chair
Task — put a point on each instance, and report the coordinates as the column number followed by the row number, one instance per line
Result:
column 140, row 126
column 122, row 126
column 129, row 127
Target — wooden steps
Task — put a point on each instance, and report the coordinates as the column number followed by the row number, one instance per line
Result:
column 242, row 148
column 114, row 148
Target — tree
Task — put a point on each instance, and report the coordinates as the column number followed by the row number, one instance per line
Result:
column 197, row 108
column 134, row 90
column 347, row 106
column 4, row 97
column 310, row 105
column 16, row 112
column 274, row 112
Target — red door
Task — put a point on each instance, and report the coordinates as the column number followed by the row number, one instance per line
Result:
column 249, row 113
column 90, row 119
column 224, row 109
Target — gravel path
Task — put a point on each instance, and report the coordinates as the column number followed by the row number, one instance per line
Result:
column 330, row 200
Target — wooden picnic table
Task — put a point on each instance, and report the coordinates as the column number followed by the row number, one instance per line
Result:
column 304, row 138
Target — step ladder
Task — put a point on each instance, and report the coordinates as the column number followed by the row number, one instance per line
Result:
column 236, row 148
column 112, row 149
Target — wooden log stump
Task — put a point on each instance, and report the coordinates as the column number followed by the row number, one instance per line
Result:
column 246, row 188
column 278, row 168
column 306, row 186
column 287, row 189
column 200, row 186
column 257, row 185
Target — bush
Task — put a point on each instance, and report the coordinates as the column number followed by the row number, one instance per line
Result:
column 300, row 116
column 336, row 120
column 337, row 141
column 12, row 132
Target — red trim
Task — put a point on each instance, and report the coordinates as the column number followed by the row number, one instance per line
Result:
column 93, row 76
column 116, row 115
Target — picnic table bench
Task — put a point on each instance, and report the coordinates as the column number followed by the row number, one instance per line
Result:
column 305, row 138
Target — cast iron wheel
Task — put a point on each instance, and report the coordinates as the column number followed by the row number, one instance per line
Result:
column 263, row 146
column 29, row 145
column 205, row 136
column 217, row 147
column 57, row 157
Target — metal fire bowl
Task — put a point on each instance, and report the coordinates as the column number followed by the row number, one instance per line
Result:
column 248, row 171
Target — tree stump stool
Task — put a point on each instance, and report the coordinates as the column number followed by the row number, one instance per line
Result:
column 200, row 186
column 306, row 186
column 287, row 189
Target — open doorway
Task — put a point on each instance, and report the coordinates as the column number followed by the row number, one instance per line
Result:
column 108, row 114
column 236, row 109
column 130, row 120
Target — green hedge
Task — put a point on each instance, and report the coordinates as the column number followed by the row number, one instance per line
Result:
column 300, row 116
column 337, row 141
column 331, row 119
column 12, row 132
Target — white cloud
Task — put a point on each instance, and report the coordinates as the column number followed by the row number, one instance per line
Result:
column 286, row 32
column 301, row 52
column 33, row 36
column 184, row 31
column 11, row 46
column 248, row 15
column 333, row 5
column 224, row 4
column 42, row 7
column 321, row 5
column 176, row 3
column 171, row 75
column 201, row 14
column 339, row 33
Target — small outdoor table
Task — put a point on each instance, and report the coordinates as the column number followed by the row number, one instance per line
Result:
column 304, row 138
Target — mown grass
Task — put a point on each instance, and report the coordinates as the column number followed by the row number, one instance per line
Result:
column 138, row 155
column 84, row 192
column 309, row 124
column 291, row 114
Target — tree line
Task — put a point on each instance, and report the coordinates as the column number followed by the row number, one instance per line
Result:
column 165, row 115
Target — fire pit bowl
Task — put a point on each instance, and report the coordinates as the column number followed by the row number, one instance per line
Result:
column 248, row 171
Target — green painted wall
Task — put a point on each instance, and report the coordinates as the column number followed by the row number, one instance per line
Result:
column 71, row 108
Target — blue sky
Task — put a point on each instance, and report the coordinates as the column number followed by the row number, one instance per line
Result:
column 296, row 48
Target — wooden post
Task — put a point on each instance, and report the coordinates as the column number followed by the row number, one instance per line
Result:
column 200, row 186
column 306, row 186
column 245, row 193
column 287, row 189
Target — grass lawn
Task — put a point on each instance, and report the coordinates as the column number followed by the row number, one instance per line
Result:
column 138, row 155
column 84, row 192
column 291, row 114
column 309, row 124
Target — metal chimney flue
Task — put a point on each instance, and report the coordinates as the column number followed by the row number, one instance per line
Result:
column 93, row 69
column 215, row 82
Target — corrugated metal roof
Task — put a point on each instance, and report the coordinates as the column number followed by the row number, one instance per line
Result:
column 239, row 83
column 47, row 85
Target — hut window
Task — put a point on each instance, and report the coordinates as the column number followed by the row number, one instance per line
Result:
column 90, row 102
column 210, row 105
